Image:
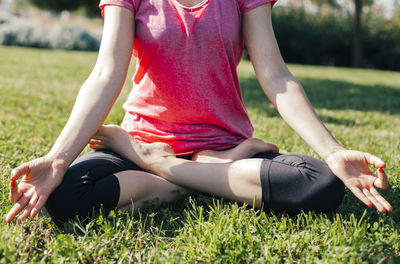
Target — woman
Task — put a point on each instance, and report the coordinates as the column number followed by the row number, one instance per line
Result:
column 186, row 96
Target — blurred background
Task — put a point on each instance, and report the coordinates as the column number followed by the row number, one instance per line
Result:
column 350, row 33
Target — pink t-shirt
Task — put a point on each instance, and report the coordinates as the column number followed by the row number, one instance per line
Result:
column 186, row 91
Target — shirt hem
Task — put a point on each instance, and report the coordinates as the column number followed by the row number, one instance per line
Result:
column 119, row 3
column 257, row 4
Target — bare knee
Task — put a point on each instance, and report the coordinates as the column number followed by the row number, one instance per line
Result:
column 137, row 187
column 244, row 181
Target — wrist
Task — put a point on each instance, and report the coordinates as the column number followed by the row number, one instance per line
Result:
column 59, row 161
column 332, row 151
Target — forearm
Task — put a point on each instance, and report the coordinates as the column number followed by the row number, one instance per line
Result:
column 91, row 108
column 103, row 86
column 292, row 103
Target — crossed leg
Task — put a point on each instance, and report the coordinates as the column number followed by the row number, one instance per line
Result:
column 222, row 173
column 282, row 182
column 287, row 181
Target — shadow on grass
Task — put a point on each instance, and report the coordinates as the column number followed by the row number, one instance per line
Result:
column 169, row 218
column 329, row 94
column 351, row 205
column 187, row 213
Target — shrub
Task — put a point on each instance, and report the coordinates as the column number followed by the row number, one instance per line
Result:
column 313, row 38
column 4, row 18
column 72, row 38
column 19, row 32
column 382, row 43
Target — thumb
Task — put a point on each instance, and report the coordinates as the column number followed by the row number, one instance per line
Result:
column 381, row 182
column 14, row 193
column 23, row 169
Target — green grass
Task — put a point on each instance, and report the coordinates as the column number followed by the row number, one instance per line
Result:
column 360, row 107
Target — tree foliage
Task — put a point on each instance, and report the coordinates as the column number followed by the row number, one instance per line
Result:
column 357, row 36
column 326, row 38
column 90, row 7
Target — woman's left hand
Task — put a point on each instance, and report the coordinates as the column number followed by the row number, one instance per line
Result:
column 352, row 168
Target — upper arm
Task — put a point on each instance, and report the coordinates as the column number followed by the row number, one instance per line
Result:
column 117, row 42
column 262, row 46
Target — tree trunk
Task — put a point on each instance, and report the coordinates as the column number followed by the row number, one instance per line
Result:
column 357, row 60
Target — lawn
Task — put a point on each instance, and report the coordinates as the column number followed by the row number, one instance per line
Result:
column 360, row 107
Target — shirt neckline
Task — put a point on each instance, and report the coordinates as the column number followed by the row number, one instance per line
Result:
column 192, row 8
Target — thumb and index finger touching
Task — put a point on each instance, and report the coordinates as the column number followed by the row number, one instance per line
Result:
column 14, row 192
column 16, row 195
column 381, row 180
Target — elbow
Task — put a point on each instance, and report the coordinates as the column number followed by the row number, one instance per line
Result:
column 278, row 75
column 107, row 73
column 103, row 81
column 280, row 84
column 281, row 87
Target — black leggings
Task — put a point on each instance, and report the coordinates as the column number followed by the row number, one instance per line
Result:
column 289, row 183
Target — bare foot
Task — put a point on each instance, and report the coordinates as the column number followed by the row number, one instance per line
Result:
column 145, row 155
column 246, row 149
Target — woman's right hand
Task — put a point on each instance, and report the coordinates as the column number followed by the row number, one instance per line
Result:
column 40, row 178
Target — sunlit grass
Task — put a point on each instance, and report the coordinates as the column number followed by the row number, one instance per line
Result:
column 360, row 107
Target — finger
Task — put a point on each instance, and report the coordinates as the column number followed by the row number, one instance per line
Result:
column 101, row 138
column 39, row 205
column 374, row 201
column 96, row 146
column 14, row 193
column 28, row 209
column 374, row 160
column 19, row 205
column 381, row 182
column 19, row 171
column 382, row 200
column 94, row 141
column 361, row 196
